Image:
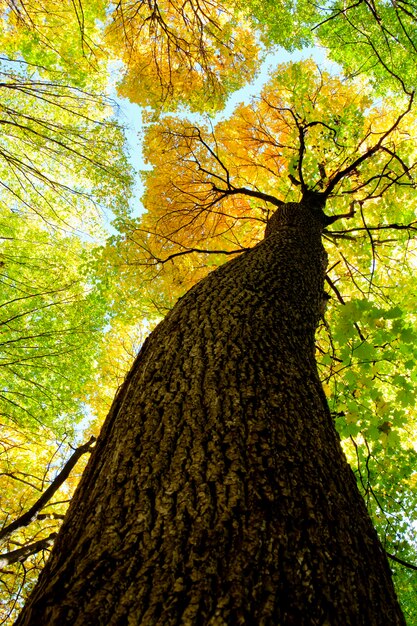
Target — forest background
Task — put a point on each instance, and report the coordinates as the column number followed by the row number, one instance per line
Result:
column 85, row 275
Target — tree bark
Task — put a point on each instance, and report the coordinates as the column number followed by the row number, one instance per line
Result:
column 218, row 493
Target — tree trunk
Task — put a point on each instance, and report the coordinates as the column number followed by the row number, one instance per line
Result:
column 218, row 493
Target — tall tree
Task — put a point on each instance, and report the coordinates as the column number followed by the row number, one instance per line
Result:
column 366, row 345
column 218, row 492
column 63, row 171
column 194, row 53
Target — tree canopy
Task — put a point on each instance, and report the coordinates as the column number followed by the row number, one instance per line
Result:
column 77, row 300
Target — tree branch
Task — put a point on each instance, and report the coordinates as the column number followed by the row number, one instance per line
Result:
column 368, row 154
column 198, row 250
column 410, row 226
column 22, row 553
column 249, row 192
column 400, row 561
column 31, row 515
column 334, row 15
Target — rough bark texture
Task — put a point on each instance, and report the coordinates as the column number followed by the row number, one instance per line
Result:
column 218, row 494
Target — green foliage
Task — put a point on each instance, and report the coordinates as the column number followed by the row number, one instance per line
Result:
column 62, row 168
column 375, row 38
column 50, row 317
column 63, row 175
column 370, row 373
column 61, row 155
column 288, row 24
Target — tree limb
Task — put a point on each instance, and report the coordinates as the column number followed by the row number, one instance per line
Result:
column 198, row 250
column 31, row 515
column 22, row 553
column 400, row 561
column 249, row 192
column 368, row 154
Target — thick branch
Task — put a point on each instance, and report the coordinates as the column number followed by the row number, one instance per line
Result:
column 31, row 515
column 330, row 219
column 22, row 553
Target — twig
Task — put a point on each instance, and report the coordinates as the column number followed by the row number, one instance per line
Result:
column 401, row 561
